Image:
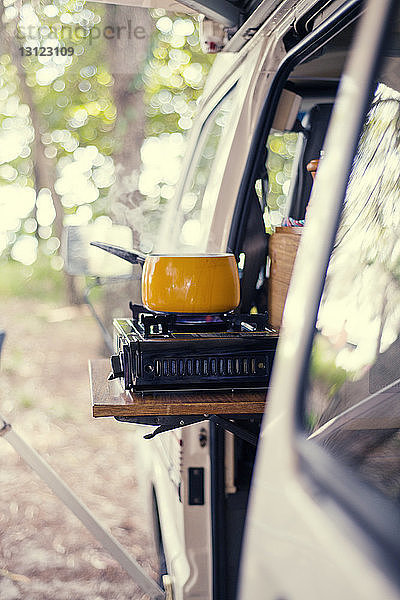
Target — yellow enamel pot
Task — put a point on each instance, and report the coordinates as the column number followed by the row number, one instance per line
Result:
column 203, row 283
column 191, row 284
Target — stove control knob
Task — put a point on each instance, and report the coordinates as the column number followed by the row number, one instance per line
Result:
column 116, row 366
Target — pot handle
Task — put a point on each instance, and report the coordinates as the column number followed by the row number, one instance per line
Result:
column 132, row 257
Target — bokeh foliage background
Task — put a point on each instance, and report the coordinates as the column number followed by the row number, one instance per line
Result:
column 90, row 136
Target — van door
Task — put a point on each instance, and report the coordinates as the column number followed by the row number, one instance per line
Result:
column 324, row 515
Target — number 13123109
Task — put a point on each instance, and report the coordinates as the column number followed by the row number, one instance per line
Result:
column 46, row 51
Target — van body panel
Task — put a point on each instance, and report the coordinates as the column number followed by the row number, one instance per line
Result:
column 305, row 546
column 185, row 528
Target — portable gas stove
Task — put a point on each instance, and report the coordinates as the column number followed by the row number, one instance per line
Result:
column 158, row 352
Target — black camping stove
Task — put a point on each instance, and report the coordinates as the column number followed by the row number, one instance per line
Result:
column 162, row 352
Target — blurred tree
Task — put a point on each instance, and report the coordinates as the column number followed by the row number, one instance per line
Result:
column 173, row 79
column 72, row 124
column 42, row 165
column 128, row 53
column 70, row 115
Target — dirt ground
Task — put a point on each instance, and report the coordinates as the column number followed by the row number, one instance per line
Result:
column 45, row 552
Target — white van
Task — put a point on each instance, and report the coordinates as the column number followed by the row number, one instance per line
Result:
column 323, row 521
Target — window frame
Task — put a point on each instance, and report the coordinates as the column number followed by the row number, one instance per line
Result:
column 375, row 514
column 195, row 156
column 371, row 511
column 237, row 81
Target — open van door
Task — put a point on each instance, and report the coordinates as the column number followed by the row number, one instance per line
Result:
column 324, row 516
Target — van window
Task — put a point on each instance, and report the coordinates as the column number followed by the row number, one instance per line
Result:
column 281, row 146
column 195, row 212
column 353, row 395
column 288, row 154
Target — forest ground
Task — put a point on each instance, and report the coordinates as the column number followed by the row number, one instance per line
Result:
column 45, row 552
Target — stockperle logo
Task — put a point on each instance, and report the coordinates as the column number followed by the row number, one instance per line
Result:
column 32, row 34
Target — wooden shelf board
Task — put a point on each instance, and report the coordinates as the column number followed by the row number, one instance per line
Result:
column 110, row 400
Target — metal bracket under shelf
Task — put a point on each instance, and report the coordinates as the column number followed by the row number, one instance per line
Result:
column 168, row 423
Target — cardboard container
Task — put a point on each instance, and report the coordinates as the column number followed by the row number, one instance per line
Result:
column 283, row 246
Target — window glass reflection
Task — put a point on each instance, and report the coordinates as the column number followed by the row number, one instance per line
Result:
column 195, row 210
column 282, row 147
column 353, row 401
